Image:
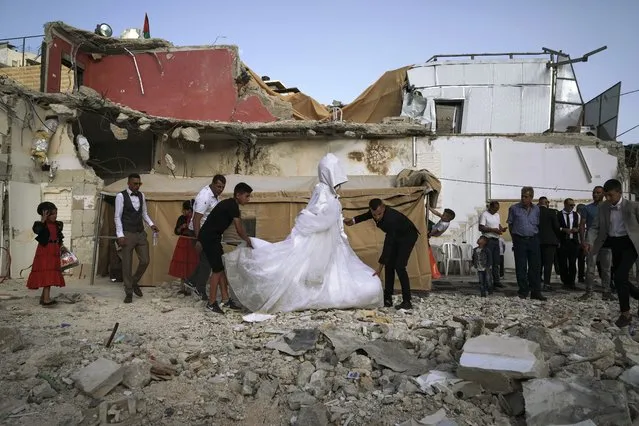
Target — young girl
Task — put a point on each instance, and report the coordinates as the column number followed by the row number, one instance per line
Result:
column 46, row 271
column 185, row 258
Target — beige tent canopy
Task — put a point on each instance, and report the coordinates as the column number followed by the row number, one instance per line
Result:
column 271, row 215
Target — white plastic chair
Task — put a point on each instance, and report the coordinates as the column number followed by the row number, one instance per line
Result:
column 452, row 253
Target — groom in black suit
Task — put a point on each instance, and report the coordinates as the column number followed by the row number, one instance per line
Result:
column 401, row 236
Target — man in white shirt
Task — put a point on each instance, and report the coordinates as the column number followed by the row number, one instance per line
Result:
column 491, row 228
column 130, row 215
column 206, row 200
column 617, row 227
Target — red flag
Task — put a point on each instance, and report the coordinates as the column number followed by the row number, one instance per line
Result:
column 146, row 32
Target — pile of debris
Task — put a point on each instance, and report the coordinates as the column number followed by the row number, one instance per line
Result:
column 453, row 360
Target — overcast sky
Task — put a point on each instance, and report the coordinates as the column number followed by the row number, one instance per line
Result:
column 335, row 49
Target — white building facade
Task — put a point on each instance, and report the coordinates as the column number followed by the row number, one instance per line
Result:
column 504, row 123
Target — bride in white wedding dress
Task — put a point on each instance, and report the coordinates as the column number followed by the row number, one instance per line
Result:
column 314, row 267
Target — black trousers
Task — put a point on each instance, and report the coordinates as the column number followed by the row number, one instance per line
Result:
column 548, row 252
column 581, row 265
column 201, row 274
column 624, row 256
column 567, row 254
column 493, row 247
column 396, row 264
column 501, row 266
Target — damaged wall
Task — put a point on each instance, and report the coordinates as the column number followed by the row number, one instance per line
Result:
column 542, row 161
column 73, row 188
column 283, row 158
column 196, row 83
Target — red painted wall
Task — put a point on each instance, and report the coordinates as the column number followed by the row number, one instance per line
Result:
column 184, row 84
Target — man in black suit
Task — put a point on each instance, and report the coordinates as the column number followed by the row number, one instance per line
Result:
column 548, row 239
column 568, row 243
column 401, row 236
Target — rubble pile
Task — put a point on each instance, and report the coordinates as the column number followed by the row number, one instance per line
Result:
column 453, row 360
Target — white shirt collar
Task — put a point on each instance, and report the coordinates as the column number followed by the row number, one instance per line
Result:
column 618, row 205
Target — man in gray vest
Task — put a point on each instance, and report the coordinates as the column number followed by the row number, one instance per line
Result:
column 130, row 215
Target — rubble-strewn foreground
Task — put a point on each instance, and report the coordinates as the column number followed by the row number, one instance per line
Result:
column 456, row 360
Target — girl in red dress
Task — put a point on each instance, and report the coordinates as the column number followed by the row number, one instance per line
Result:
column 185, row 258
column 45, row 271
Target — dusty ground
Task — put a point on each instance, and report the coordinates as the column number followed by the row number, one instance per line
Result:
column 223, row 372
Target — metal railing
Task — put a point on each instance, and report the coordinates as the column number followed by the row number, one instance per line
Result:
column 25, row 48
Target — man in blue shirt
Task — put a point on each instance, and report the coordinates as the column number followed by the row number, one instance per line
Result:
column 523, row 224
column 603, row 260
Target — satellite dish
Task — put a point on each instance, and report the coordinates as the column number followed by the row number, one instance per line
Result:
column 104, row 30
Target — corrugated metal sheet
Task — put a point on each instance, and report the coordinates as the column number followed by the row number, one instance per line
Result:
column 499, row 97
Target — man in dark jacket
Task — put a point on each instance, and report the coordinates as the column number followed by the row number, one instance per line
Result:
column 401, row 236
column 548, row 239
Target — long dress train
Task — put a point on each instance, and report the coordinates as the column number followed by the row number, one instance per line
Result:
column 313, row 268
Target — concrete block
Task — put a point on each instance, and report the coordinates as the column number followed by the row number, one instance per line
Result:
column 575, row 400
column 76, row 223
column 78, row 188
column 99, row 378
column 496, row 362
column 137, row 374
column 77, row 204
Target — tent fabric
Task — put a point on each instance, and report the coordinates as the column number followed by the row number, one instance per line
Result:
column 159, row 187
column 304, row 107
column 272, row 212
column 381, row 99
column 308, row 106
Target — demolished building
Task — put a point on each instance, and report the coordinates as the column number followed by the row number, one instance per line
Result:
column 147, row 106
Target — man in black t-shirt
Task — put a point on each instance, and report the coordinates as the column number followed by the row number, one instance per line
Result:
column 401, row 236
column 210, row 237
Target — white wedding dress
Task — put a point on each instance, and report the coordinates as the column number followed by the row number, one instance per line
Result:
column 313, row 268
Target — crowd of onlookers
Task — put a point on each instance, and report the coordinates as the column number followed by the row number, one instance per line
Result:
column 583, row 243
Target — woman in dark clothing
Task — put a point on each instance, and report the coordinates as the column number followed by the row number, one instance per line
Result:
column 185, row 257
column 46, row 269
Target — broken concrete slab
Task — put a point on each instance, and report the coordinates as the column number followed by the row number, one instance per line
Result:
column 99, row 378
column 63, row 111
column 573, row 400
column 11, row 340
column 295, row 343
column 395, row 357
column 312, row 415
column 438, row 418
column 628, row 348
column 122, row 117
column 190, row 134
column 344, row 342
column 631, row 376
column 118, row 132
column 137, row 374
column 296, row 400
column 496, row 362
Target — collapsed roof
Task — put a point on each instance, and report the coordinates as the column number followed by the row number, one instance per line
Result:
column 380, row 100
column 88, row 100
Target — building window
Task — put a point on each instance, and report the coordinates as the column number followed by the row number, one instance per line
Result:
column 79, row 72
column 449, row 116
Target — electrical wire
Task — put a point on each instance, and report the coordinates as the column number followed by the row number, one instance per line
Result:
column 629, row 130
column 512, row 185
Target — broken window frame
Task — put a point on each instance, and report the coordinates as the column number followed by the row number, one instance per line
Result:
column 456, row 128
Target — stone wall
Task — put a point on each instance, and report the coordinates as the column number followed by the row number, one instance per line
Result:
column 29, row 76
